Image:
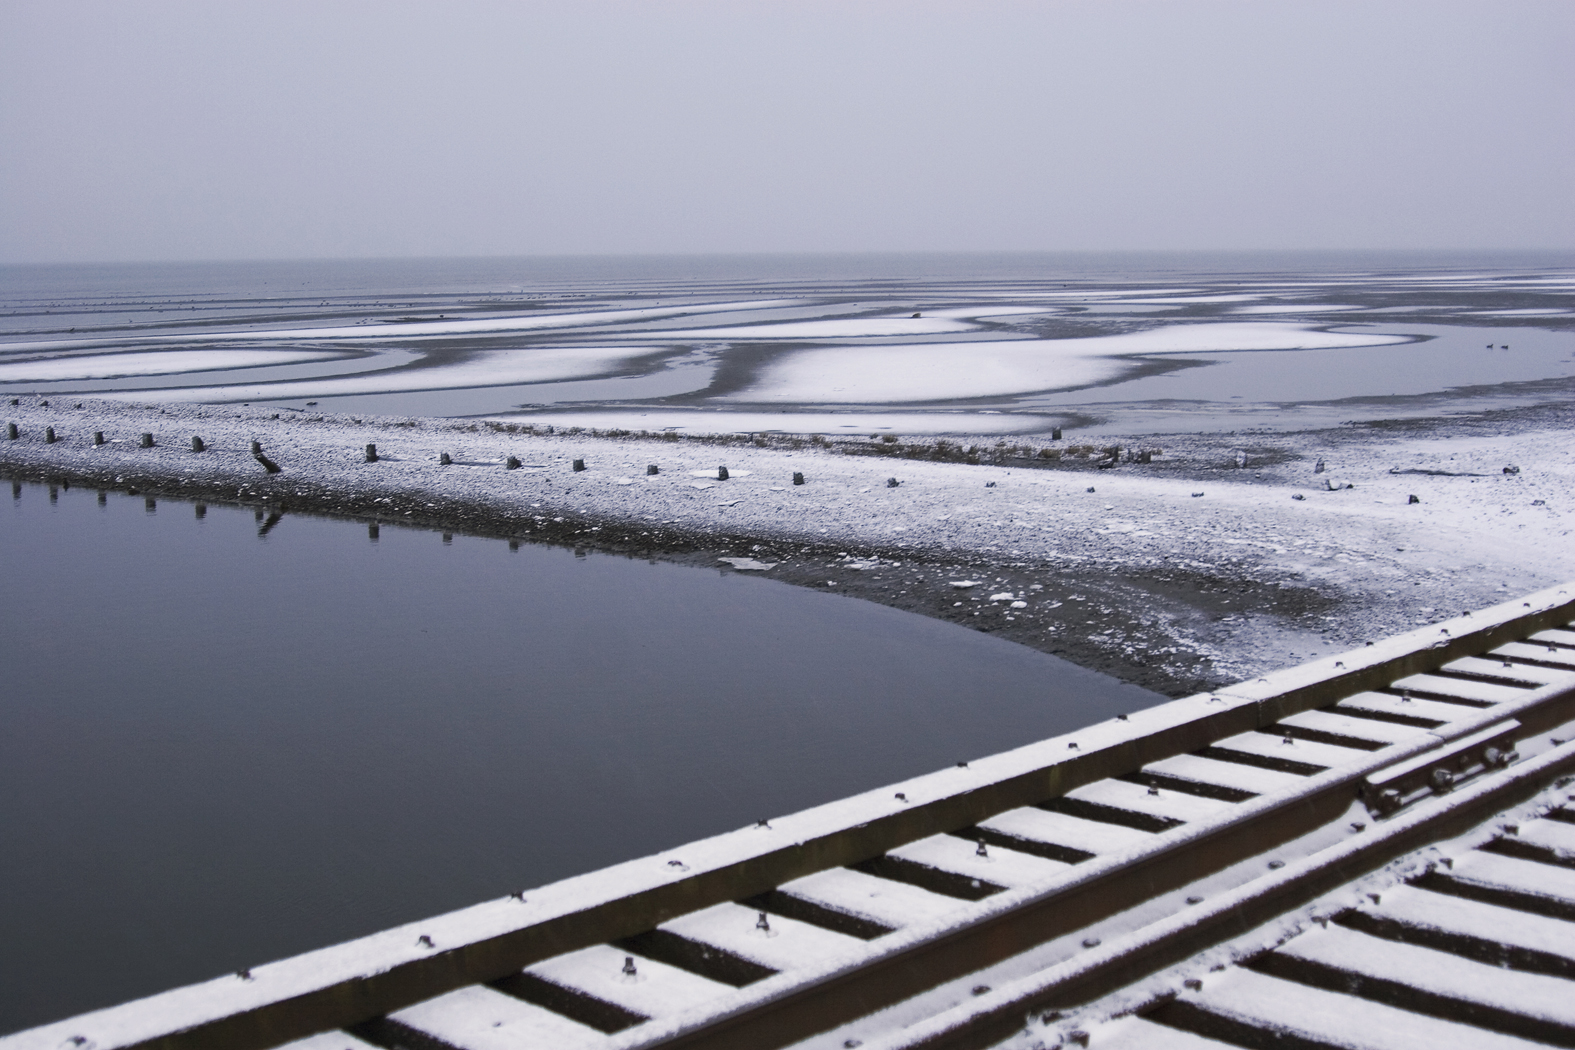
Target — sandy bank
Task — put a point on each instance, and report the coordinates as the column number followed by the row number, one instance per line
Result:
column 1177, row 574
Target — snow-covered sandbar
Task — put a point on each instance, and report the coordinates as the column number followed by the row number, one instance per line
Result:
column 1187, row 561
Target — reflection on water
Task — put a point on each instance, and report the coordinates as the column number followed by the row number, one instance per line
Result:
column 232, row 736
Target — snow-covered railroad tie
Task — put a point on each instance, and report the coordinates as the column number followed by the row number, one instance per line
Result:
column 961, row 907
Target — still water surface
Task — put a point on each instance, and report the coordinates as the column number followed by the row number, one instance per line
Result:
column 223, row 745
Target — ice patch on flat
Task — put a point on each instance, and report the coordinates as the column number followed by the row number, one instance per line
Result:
column 484, row 368
column 944, row 371
column 1294, row 308
column 971, row 312
column 151, row 363
column 833, row 328
column 692, row 421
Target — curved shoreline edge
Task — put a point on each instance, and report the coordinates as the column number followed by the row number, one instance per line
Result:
column 1122, row 570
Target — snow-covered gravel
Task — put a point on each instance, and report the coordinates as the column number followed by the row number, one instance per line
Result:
column 1180, row 573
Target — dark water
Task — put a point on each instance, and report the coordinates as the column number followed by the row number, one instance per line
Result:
column 221, row 746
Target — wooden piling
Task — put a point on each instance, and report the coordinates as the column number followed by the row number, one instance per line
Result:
column 257, row 453
column 147, row 440
column 371, row 453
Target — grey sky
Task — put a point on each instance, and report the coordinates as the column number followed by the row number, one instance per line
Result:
column 144, row 130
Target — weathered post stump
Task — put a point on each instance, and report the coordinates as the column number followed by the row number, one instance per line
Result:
column 49, row 435
column 257, row 453
column 579, row 465
column 798, row 477
column 652, row 468
column 444, row 459
column 197, row 445
column 371, row 453
column 512, row 463
column 98, row 437
column 721, row 473
column 11, row 431
column 147, row 440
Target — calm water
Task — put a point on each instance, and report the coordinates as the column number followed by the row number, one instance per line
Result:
column 227, row 742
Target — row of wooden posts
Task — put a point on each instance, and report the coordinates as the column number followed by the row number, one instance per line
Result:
column 444, row 459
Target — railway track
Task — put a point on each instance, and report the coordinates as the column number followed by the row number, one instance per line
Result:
column 957, row 908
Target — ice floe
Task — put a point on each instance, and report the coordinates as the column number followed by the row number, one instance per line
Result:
column 482, row 368
column 151, row 363
column 945, row 371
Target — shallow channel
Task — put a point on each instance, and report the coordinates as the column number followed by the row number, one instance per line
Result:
column 229, row 740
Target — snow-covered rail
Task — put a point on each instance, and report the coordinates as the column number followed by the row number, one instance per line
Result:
column 1172, row 826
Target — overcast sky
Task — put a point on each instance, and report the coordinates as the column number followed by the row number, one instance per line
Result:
column 187, row 130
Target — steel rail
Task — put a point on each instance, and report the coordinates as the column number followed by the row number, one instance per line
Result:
column 1123, row 961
